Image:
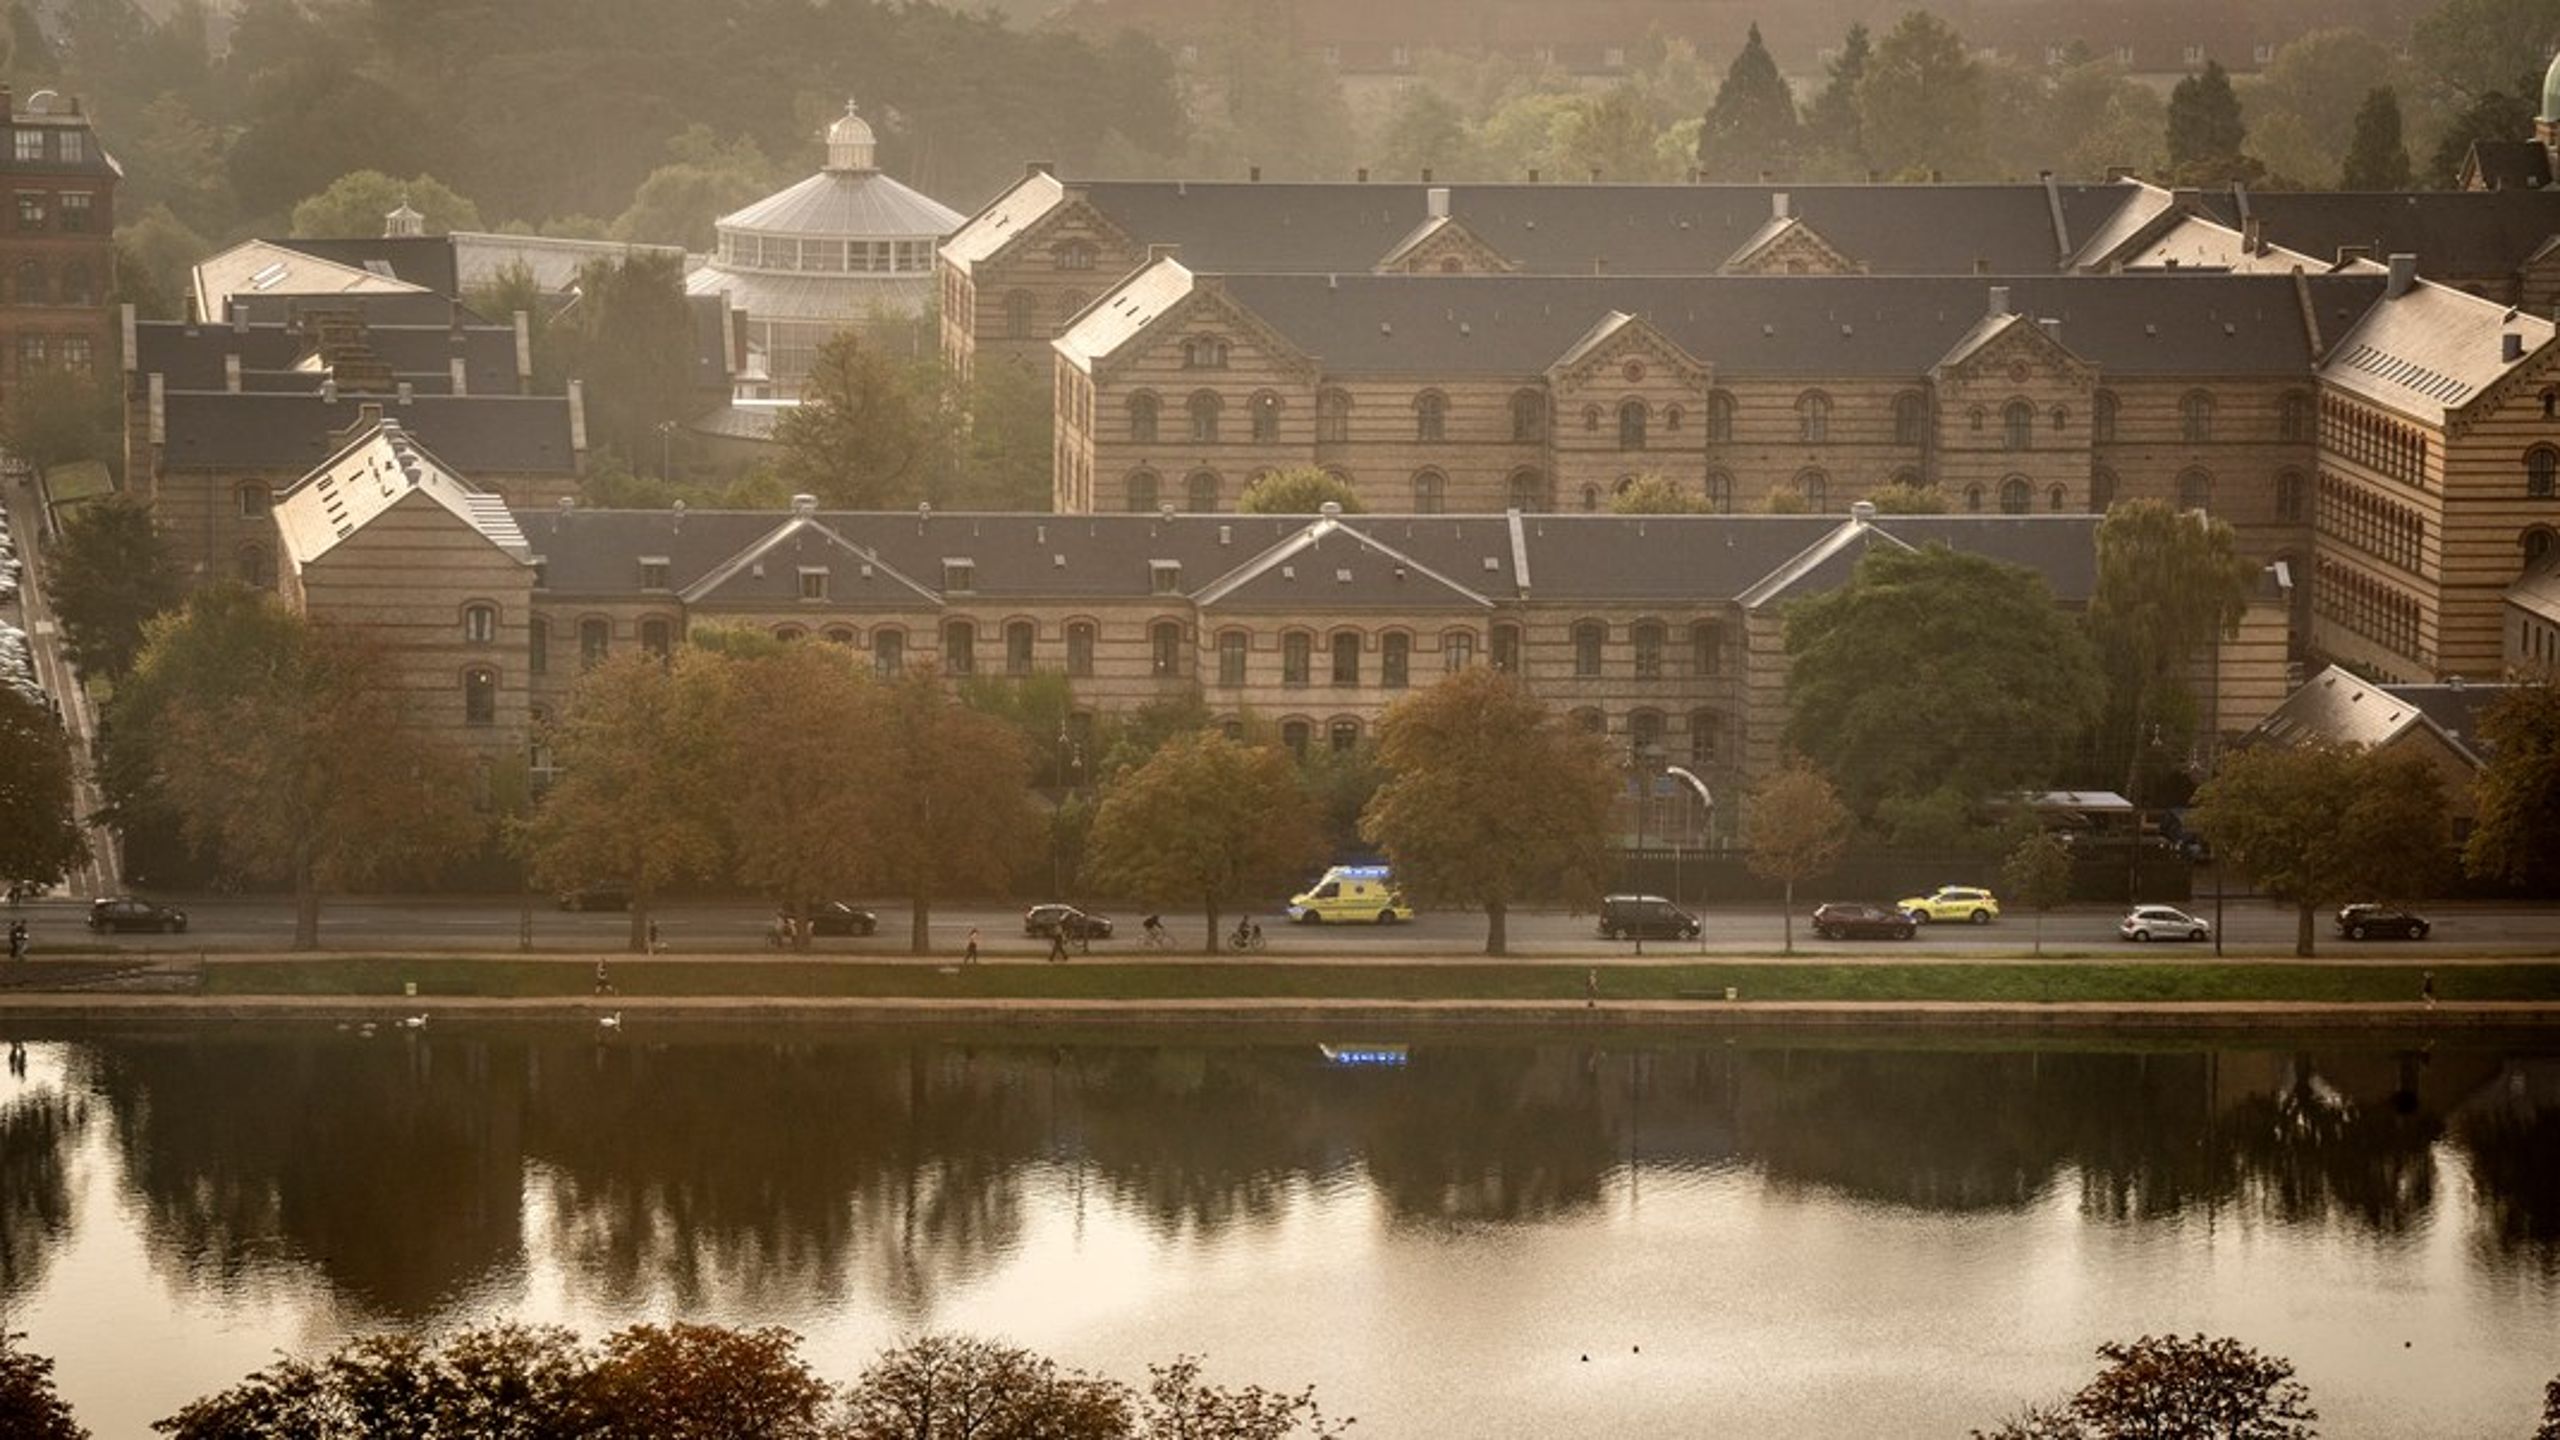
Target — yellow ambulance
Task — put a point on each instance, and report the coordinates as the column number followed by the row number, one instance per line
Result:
column 1352, row 895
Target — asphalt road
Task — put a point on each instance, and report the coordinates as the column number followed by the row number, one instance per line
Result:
column 740, row 927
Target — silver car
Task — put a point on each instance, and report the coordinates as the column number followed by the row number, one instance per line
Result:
column 2162, row 922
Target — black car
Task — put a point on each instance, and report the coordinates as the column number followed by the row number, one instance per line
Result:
column 2380, row 922
column 1645, row 917
column 123, row 912
column 1044, row 921
column 1837, row 921
column 837, row 918
column 596, row 897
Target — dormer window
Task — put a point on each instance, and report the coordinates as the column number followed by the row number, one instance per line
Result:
column 653, row 572
column 813, row 582
column 959, row 575
column 1166, row 576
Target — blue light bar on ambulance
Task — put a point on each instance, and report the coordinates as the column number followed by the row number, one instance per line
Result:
column 1363, row 1055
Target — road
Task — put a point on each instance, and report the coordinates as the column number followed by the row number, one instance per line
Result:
column 739, row 927
column 97, row 875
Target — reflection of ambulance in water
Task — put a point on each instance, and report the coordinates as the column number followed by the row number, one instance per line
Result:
column 1352, row 894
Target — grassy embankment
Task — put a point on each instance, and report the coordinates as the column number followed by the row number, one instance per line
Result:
column 2098, row 983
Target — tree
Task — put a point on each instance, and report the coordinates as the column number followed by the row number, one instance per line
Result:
column 858, row 438
column 1831, row 123
column 1612, row 135
column 2492, row 115
column 2195, row 1389
column 2309, row 99
column 637, row 802
column 2206, row 132
column 2169, row 586
column 40, row 835
column 1920, row 105
column 799, row 752
column 110, row 575
column 708, row 1382
column 2321, row 823
column 2376, row 158
column 1425, row 131
column 705, row 180
column 2549, row 1429
column 1299, row 490
column 972, row 1389
column 1177, row 1406
column 2470, row 48
column 1905, row 498
column 2009, row 683
column 30, row 1408
column 630, row 336
column 285, row 745
column 356, row 204
column 2516, row 838
column 1654, row 493
column 953, row 807
column 2038, row 876
column 1796, row 827
column 55, row 416
column 1752, row 125
column 1489, row 797
column 1205, row 819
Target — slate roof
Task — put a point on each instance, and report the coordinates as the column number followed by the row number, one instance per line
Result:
column 394, row 307
column 2432, row 350
column 191, row 357
column 2508, row 164
column 376, row 469
column 2452, row 232
column 474, row 434
column 1789, row 326
column 2337, row 706
column 1006, row 216
column 426, row 261
column 480, row 257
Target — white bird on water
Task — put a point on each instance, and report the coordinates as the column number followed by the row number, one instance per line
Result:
column 610, row 1022
column 413, row 1022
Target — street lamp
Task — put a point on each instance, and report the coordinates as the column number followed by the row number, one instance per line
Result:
column 1706, row 827
column 666, row 447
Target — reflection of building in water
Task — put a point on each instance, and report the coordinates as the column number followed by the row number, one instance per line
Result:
column 842, row 250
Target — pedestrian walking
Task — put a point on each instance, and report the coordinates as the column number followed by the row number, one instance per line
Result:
column 1591, row 988
column 655, row 945
column 2427, row 989
column 1058, row 943
column 604, row 984
column 969, row 955
column 17, row 939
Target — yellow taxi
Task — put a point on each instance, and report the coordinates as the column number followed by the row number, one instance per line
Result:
column 1953, row 902
column 1352, row 895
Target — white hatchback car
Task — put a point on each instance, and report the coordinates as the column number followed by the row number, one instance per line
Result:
column 2162, row 922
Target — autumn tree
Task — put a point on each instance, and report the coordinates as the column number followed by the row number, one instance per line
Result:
column 2320, row 823
column 952, row 805
column 2163, row 1386
column 2037, row 875
column 2549, row 1429
column 799, row 750
column 1904, row 497
column 30, row 1407
column 638, row 801
column 40, row 835
column 1205, row 819
column 2516, row 837
column 1489, row 798
column 962, row 1386
column 1178, row 1405
column 1752, row 125
column 2170, row 585
column 111, row 573
column 1299, row 490
column 2376, row 157
column 860, row 438
column 285, row 746
column 1796, row 828
column 708, row 1382
column 1654, row 493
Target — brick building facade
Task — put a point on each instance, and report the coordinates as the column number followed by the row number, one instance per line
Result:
column 57, row 248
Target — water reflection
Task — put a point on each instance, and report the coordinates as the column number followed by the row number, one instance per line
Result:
column 775, row 1171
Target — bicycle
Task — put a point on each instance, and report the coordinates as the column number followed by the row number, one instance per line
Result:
column 1159, row 937
column 1245, row 937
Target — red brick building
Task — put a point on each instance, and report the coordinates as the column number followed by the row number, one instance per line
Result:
column 57, row 238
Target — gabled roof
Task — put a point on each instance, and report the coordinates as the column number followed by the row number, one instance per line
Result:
column 2454, row 233
column 267, row 268
column 377, row 469
column 193, row 357
column 1125, row 313
column 2189, row 242
column 1342, row 566
column 2432, row 350
column 1008, row 215
column 426, row 261
column 1826, row 564
column 2338, row 707
column 768, row 572
column 2505, row 165
column 480, row 258
column 476, row 434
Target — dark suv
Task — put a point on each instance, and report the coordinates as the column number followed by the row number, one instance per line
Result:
column 123, row 912
column 1837, row 921
column 1645, row 917
column 2380, row 922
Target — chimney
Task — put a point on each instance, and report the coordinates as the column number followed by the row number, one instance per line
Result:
column 159, row 391
column 1767, row 175
column 578, row 417
column 1362, row 174
column 1435, row 201
column 524, row 353
column 2404, row 273
column 1162, row 250
column 1253, row 173
column 1981, row 266
column 2351, row 254
column 406, row 392
column 1595, row 174
column 461, row 376
column 804, row 505
column 128, row 323
column 239, row 318
column 1999, row 300
column 2186, row 198
column 231, row 372
column 2118, row 174
column 2511, row 347
column 1426, row 174
column 1778, row 205
column 328, row 392
column 1039, row 167
column 2052, row 327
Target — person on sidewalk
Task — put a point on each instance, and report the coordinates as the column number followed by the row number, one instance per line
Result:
column 17, row 939
column 1591, row 988
column 1058, row 943
column 655, row 944
column 2427, row 989
column 604, row 985
column 969, row 953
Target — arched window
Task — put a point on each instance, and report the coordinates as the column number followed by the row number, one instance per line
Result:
column 1297, row 657
column 1813, row 417
column 1266, row 417
column 1072, row 255
column 2195, row 490
column 1706, row 648
column 1719, row 493
column 1590, row 419
column 1164, row 649
column 2016, row 497
column 1145, row 490
column 1528, row 416
column 1589, row 637
column 1143, row 407
column 1019, row 307
column 889, row 649
column 1910, row 418
column 1590, row 499
column 1644, row 734
column 2102, row 491
column 2017, row 425
column 840, row 635
column 2195, row 418
column 2551, row 404
column 1631, row 422
column 1395, row 660
column 1200, row 492
column 1232, row 649
column 1343, row 735
column 479, row 624
column 959, row 648
column 2057, row 498
column 1019, row 636
column 2061, row 418
column 1706, row 738
column 2102, row 418
column 1719, row 416
column 1815, row 487
column 1204, row 408
column 789, row 634
column 1430, row 492
column 2293, row 416
column 1204, row 352
column 1344, row 649
column 1973, row 418
column 1973, row 499
column 1080, row 636
column 2535, row 543
column 1457, row 650
column 1645, row 637
column 1527, row 491
column 1294, row 733
column 1430, row 417
column 1333, row 416
column 2289, row 495
column 2541, row 466
column 1672, row 415
column 479, row 696
column 595, row 637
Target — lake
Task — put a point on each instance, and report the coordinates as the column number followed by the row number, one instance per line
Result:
column 1517, row 1233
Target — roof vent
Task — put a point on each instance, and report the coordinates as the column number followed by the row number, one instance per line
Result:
column 1777, row 204
column 1226, row 535
column 2404, row 273
column 1331, row 509
column 1862, row 511
column 2511, row 347
column 804, row 505
column 1435, row 201
column 1999, row 300
column 1342, row 577
column 1165, row 511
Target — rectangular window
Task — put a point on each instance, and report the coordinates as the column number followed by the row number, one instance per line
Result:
column 537, row 647
column 479, row 625
column 30, row 210
column 1080, row 649
column 1458, row 651
column 1164, row 643
column 960, row 576
column 30, row 146
column 1648, row 646
column 1017, row 648
column 1395, row 660
column 31, row 352
column 1297, row 657
column 1506, row 649
column 959, row 648
column 1231, row 649
column 1346, row 659
column 594, row 637
column 658, row 637
column 813, row 583
column 653, row 572
column 75, row 214
column 1587, row 640
column 1167, row 575
column 77, row 355
column 75, row 147
column 889, row 651
column 1706, row 649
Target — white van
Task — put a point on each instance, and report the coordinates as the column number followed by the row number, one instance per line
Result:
column 1352, row 894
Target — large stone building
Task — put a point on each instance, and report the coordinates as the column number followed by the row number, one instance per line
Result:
column 57, row 253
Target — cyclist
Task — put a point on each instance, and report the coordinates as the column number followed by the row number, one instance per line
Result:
column 1248, row 934
column 1154, row 926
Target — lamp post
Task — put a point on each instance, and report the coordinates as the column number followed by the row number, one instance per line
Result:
column 1706, row 826
column 666, row 449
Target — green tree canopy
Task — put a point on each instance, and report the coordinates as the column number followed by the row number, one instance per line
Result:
column 630, row 337
column 704, row 179
column 1654, row 493
column 1206, row 821
column 1426, row 131
column 2037, row 875
column 1299, row 490
column 2170, row 585
column 2320, row 824
column 356, row 204
column 39, row 822
column 1796, row 828
column 55, row 417
column 799, row 752
column 860, row 438
column 111, row 574
column 1904, row 498
column 2516, row 838
column 1752, row 125
column 2206, row 133
column 1490, row 798
column 2376, row 157
column 2315, row 92
column 1920, row 106
column 30, row 1407
column 1832, row 125
column 2491, row 115
column 2007, row 681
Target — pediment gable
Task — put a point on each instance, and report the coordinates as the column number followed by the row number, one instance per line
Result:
column 1074, row 213
column 1444, row 246
column 1624, row 350
column 2013, row 349
column 1333, row 566
column 768, row 573
column 1790, row 247
column 1208, row 307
